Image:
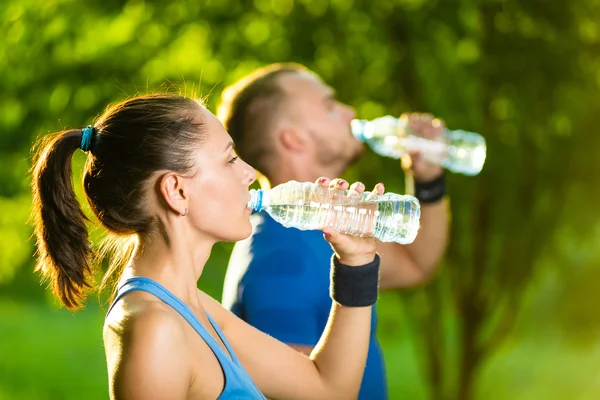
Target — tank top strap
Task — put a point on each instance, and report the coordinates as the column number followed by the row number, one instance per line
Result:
column 224, row 340
column 148, row 285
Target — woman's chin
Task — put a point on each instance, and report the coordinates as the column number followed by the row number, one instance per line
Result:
column 239, row 235
column 246, row 234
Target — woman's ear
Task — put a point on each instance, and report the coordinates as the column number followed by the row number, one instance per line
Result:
column 172, row 189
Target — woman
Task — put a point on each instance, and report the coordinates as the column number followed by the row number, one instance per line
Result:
column 162, row 178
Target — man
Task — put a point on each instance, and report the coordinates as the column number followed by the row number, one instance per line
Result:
column 287, row 123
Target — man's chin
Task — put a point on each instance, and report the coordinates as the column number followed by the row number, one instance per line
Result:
column 357, row 155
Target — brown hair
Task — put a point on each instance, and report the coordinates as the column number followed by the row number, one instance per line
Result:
column 248, row 108
column 131, row 140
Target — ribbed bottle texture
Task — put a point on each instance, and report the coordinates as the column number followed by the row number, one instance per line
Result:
column 389, row 217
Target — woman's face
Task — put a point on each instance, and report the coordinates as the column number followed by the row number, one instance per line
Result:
column 219, row 188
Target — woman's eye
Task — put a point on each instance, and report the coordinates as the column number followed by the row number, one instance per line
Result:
column 232, row 160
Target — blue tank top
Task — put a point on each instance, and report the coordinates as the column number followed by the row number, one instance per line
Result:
column 238, row 384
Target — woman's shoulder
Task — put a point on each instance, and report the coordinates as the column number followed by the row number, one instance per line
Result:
column 141, row 314
column 145, row 341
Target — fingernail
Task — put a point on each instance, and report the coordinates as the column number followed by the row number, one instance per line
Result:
column 327, row 234
column 341, row 182
column 322, row 180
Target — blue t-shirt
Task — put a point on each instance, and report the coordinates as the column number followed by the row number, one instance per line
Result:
column 278, row 281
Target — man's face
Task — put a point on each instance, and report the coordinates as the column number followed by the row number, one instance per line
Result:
column 313, row 107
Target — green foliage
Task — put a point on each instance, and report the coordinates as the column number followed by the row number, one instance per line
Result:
column 524, row 74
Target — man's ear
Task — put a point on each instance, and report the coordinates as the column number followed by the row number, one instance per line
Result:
column 293, row 139
column 173, row 192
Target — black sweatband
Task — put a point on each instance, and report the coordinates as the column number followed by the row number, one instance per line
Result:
column 355, row 286
column 431, row 191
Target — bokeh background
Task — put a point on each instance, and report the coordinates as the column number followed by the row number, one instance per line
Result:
column 513, row 314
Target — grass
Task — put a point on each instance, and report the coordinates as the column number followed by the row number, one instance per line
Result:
column 47, row 353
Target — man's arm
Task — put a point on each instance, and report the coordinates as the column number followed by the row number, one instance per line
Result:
column 414, row 264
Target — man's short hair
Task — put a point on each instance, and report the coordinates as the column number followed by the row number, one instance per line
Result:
column 248, row 109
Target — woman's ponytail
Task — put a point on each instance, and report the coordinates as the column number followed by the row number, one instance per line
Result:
column 64, row 250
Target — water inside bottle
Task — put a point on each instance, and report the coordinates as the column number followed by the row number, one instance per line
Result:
column 466, row 157
column 459, row 151
column 467, row 153
column 396, row 221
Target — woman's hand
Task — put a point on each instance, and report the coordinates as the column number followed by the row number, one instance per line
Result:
column 350, row 250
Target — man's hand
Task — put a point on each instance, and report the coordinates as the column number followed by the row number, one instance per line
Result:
column 425, row 125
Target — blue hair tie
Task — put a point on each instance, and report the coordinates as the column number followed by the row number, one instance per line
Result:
column 86, row 138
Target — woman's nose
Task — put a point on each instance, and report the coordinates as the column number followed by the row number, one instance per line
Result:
column 249, row 174
column 349, row 112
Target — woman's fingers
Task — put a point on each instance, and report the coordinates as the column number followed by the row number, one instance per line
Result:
column 323, row 181
column 358, row 187
column 377, row 191
column 339, row 184
column 356, row 190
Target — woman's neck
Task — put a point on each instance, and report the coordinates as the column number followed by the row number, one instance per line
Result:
column 177, row 265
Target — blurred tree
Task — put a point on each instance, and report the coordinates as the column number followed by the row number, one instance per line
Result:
column 513, row 71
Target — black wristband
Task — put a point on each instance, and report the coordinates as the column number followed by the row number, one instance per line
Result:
column 355, row 286
column 431, row 191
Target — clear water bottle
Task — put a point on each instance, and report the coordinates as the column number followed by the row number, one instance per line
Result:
column 389, row 217
column 458, row 151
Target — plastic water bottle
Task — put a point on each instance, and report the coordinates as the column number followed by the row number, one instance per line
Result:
column 458, row 151
column 389, row 217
